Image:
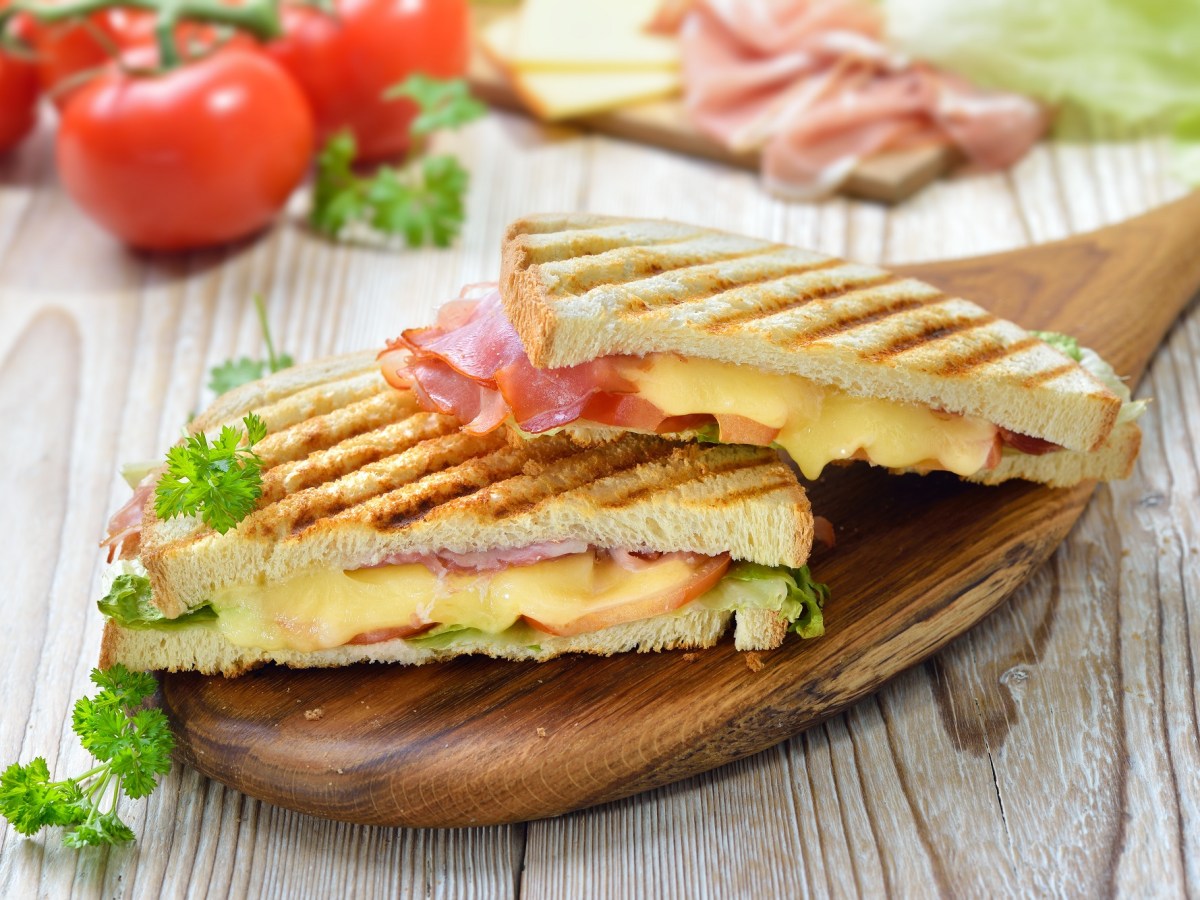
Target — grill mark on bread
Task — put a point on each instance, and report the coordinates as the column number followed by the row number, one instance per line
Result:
column 930, row 332
column 353, row 454
column 829, row 291
column 714, row 285
column 321, row 399
column 320, row 433
column 414, row 502
column 845, row 323
column 985, row 355
column 542, row 483
column 646, row 265
column 1048, row 374
column 576, row 246
column 758, row 490
column 680, row 474
column 302, row 509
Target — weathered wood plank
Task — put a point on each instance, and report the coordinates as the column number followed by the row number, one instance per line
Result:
column 1052, row 750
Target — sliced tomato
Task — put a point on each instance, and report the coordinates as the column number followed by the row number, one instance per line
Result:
column 379, row 635
column 635, row 603
column 740, row 430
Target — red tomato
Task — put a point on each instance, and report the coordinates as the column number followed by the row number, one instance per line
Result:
column 706, row 572
column 200, row 155
column 18, row 97
column 346, row 63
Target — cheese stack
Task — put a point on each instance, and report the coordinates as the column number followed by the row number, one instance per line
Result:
column 568, row 59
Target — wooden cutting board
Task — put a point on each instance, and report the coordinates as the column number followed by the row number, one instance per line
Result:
column 918, row 561
column 886, row 178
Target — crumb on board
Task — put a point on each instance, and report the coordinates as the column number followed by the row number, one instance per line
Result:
column 313, row 714
column 541, row 732
column 754, row 662
column 690, row 657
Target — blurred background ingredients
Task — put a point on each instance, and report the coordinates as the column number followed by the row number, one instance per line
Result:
column 820, row 90
column 570, row 59
column 185, row 125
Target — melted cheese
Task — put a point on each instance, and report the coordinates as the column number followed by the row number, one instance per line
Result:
column 817, row 423
column 324, row 609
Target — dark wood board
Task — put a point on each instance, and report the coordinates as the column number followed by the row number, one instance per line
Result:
column 886, row 177
column 918, row 561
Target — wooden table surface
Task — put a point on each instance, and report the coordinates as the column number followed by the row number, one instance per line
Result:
column 1053, row 750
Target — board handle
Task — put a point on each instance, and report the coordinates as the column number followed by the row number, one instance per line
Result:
column 1118, row 289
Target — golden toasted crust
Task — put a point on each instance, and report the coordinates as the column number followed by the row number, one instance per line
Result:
column 353, row 473
column 577, row 287
column 203, row 649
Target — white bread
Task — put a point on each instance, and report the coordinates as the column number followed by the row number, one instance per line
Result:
column 1112, row 462
column 354, row 473
column 203, row 649
column 577, row 287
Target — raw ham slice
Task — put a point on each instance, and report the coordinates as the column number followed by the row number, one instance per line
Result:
column 471, row 364
column 487, row 560
column 813, row 85
column 125, row 526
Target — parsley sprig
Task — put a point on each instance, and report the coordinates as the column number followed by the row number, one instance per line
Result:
column 423, row 201
column 441, row 103
column 131, row 744
column 219, row 481
column 234, row 373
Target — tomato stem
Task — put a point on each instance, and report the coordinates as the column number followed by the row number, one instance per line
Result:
column 257, row 17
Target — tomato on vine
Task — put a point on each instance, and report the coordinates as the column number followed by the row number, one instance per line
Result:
column 191, row 157
column 347, row 61
column 18, row 99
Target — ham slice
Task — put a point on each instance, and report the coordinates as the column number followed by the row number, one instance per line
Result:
column 471, row 364
column 487, row 560
column 813, row 85
column 125, row 525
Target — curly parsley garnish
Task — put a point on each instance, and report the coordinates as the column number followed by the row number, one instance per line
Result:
column 423, row 201
column 132, row 746
column 219, row 481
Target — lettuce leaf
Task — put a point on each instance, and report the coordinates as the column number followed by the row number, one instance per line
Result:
column 1063, row 343
column 791, row 592
column 128, row 604
column 1111, row 66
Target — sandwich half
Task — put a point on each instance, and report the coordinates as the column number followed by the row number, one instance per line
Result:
column 385, row 533
column 601, row 324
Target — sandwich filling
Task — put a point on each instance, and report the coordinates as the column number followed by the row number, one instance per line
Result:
column 472, row 365
column 555, row 589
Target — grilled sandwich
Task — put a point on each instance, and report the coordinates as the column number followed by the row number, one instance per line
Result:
column 385, row 533
column 602, row 323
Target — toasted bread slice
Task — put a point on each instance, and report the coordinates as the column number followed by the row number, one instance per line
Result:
column 354, row 472
column 577, row 287
column 1112, row 462
column 204, row 649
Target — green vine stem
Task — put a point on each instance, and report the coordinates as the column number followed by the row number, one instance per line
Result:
column 259, row 18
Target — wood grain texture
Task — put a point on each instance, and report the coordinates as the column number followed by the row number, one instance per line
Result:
column 1051, row 751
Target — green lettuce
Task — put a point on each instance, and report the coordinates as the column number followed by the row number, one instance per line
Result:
column 1111, row 67
column 128, row 604
column 790, row 592
column 1063, row 343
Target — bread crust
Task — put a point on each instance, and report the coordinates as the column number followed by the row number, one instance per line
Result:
column 203, row 649
column 577, row 287
column 354, row 473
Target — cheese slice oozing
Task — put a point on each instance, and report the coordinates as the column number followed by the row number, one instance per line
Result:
column 817, row 423
column 328, row 608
